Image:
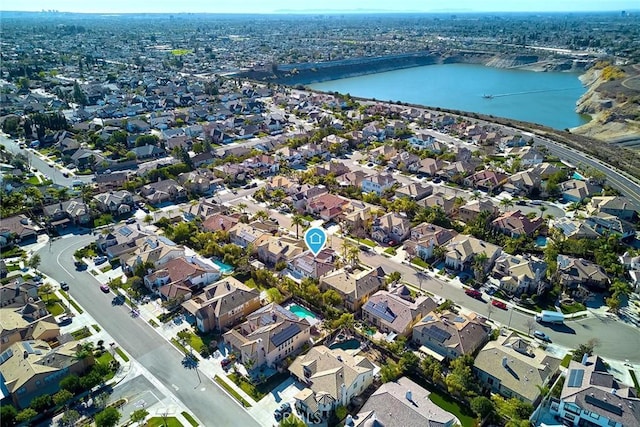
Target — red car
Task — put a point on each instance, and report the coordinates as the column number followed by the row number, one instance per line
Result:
column 104, row 288
column 473, row 293
column 499, row 304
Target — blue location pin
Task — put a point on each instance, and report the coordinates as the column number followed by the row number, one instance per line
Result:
column 315, row 238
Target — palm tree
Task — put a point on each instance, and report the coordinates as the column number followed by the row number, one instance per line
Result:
column 148, row 219
column 479, row 262
column 241, row 206
column 439, row 252
column 191, row 362
column 297, row 221
column 542, row 210
column 506, row 203
column 261, row 215
column 353, row 255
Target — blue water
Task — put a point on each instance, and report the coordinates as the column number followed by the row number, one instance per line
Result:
column 541, row 241
column 350, row 344
column 224, row 268
column 301, row 312
column 547, row 98
column 577, row 176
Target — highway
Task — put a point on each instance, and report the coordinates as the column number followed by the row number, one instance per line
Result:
column 205, row 400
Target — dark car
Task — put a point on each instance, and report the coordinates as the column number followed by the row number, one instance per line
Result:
column 285, row 408
column 80, row 265
column 541, row 336
column 65, row 174
column 130, row 221
column 473, row 293
column 254, row 185
column 64, row 286
column 100, row 260
column 65, row 320
column 364, row 248
column 225, row 363
column 277, row 414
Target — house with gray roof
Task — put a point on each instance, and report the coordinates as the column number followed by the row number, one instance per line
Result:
column 355, row 286
column 401, row 403
column 396, row 311
column 512, row 367
column 450, row 335
column 592, row 396
column 268, row 336
column 332, row 378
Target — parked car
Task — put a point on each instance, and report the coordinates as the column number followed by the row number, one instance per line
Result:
column 277, row 415
column 473, row 293
column 225, row 363
column 65, row 320
column 130, row 221
column 499, row 304
column 65, row 174
column 285, row 408
column 254, row 185
column 80, row 265
column 105, row 288
column 64, row 286
column 100, row 260
column 541, row 336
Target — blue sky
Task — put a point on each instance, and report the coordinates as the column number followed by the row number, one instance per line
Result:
column 267, row 6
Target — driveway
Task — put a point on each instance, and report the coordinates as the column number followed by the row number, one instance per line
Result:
column 263, row 410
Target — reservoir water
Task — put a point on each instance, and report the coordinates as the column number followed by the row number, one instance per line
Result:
column 548, row 98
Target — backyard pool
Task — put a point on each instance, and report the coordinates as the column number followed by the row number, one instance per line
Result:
column 224, row 268
column 577, row 176
column 541, row 241
column 350, row 344
column 301, row 312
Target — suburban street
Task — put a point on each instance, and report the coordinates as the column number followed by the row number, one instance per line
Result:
column 205, row 400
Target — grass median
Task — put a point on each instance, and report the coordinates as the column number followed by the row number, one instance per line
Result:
column 225, row 385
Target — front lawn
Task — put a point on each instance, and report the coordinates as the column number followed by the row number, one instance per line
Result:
column 420, row 262
column 54, row 307
column 257, row 391
column 160, row 422
column 81, row 333
column 390, row 251
column 572, row 308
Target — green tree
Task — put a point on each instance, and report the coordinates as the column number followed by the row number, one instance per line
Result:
column 482, row 406
column 45, row 291
column 331, row 298
column 297, row 220
column 390, row 371
column 586, row 348
column 71, row 383
column 138, row 416
column 147, row 140
column 109, row 417
column 34, row 261
column 70, row 418
column 274, row 295
column 25, row 415
column 62, row 397
column 460, row 380
column 8, row 414
column 41, row 403
column 79, row 97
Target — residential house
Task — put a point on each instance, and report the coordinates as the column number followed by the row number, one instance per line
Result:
column 401, row 403
column 485, row 180
column 151, row 250
column 272, row 250
column 377, row 184
column 391, row 228
column 438, row 200
column 332, row 378
column 313, row 266
column 575, row 190
column 573, row 228
column 520, row 274
column 405, row 161
column 527, row 156
column 335, row 168
column 354, row 178
column 447, row 335
column 199, row 181
column 472, row 209
column 86, row 159
column 222, row 304
column 219, row 222
column 244, row 235
column 110, row 181
column 415, row 191
column 511, row 367
column 73, row 211
column 425, row 237
column 355, row 286
column 327, row 206
column 17, row 229
column 115, row 202
column 592, row 396
column 396, row 311
column 264, row 164
column 462, row 250
column 609, row 225
column 32, row 368
column 430, row 166
column 190, row 271
column 17, row 293
column 516, row 224
column 125, row 234
column 574, row 273
column 618, row 206
column 29, row 321
column 163, row 191
column 270, row 335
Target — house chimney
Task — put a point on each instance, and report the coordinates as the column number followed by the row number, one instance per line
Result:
column 409, row 396
column 504, row 361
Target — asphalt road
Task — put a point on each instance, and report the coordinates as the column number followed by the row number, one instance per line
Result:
column 205, row 400
column 36, row 162
column 617, row 340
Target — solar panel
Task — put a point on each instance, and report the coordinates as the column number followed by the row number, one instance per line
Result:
column 27, row 347
column 458, row 319
column 438, row 334
column 125, row 231
column 6, row 356
column 382, row 311
column 575, row 377
column 427, row 318
column 283, row 335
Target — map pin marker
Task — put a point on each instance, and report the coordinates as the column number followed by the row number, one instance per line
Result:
column 315, row 239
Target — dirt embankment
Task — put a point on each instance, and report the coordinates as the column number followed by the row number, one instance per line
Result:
column 613, row 102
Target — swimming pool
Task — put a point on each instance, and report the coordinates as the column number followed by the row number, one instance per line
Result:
column 541, row 241
column 350, row 344
column 301, row 312
column 224, row 268
column 577, row 176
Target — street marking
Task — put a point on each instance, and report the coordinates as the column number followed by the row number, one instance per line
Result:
column 175, row 387
column 58, row 260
